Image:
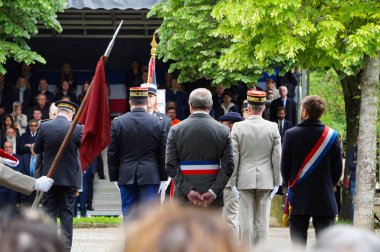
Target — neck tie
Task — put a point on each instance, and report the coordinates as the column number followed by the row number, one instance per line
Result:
column 32, row 158
column 284, row 103
column 281, row 127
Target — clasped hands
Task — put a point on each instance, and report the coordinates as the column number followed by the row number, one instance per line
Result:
column 198, row 199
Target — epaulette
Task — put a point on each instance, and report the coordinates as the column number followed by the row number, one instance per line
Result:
column 116, row 118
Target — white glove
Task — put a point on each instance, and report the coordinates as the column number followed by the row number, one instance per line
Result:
column 10, row 163
column 163, row 186
column 43, row 184
column 235, row 191
column 275, row 189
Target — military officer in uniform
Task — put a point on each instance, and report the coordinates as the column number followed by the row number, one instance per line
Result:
column 257, row 151
column 199, row 154
column 59, row 201
column 152, row 102
column 137, row 152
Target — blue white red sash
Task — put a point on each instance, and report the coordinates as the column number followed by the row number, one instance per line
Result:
column 317, row 153
column 202, row 167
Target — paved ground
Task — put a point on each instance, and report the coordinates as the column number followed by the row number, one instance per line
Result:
column 111, row 239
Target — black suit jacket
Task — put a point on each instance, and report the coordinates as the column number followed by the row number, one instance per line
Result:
column 49, row 139
column 137, row 149
column 26, row 138
column 287, row 125
column 315, row 194
column 290, row 109
column 28, row 99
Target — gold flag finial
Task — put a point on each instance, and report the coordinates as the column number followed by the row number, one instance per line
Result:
column 154, row 45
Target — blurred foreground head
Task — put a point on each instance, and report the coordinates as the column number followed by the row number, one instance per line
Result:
column 345, row 238
column 178, row 229
column 28, row 230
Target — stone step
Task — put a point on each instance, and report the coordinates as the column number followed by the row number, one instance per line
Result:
column 107, row 197
column 104, row 213
column 106, row 206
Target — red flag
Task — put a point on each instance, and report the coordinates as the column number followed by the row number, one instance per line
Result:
column 95, row 118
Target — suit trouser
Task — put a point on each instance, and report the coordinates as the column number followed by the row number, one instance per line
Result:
column 59, row 202
column 254, row 211
column 300, row 223
column 132, row 195
column 230, row 211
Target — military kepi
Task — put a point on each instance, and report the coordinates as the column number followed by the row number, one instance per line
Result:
column 67, row 104
column 255, row 97
column 152, row 88
column 138, row 93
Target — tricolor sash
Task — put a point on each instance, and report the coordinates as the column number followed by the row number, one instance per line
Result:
column 202, row 167
column 317, row 153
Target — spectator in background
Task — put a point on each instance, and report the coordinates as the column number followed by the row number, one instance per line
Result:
column 290, row 81
column 20, row 120
column 272, row 91
column 11, row 136
column 28, row 157
column 133, row 77
column 217, row 98
column 244, row 110
column 289, row 105
column 5, row 97
column 41, row 105
column 23, row 93
column 64, row 91
column 171, row 113
column 28, row 138
column 9, row 197
column 144, row 76
column 226, row 106
column 283, row 124
column 68, row 76
column 43, row 89
column 27, row 73
column 85, row 88
column 180, row 98
column 8, row 123
column 37, row 115
column 167, row 81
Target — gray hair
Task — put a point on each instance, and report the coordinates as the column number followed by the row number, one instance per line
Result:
column 257, row 108
column 200, row 98
column 65, row 111
column 347, row 238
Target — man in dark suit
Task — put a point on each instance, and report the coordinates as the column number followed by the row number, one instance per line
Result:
column 137, row 152
column 60, row 200
column 28, row 138
column 313, row 195
column 199, row 155
column 289, row 105
column 283, row 124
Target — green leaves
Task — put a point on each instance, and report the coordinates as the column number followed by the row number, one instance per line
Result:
column 236, row 40
column 18, row 22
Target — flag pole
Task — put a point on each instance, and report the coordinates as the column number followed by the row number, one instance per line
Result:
column 75, row 121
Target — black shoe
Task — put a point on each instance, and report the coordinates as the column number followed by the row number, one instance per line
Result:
column 90, row 208
column 102, row 177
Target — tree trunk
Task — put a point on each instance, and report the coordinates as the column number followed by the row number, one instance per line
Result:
column 351, row 91
column 366, row 159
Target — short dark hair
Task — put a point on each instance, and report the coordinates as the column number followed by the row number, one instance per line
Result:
column 281, row 108
column 314, row 106
column 138, row 102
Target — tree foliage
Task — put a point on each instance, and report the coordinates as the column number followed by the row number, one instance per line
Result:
column 230, row 40
column 18, row 22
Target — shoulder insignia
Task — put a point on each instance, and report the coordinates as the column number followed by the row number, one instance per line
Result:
column 116, row 118
column 161, row 118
